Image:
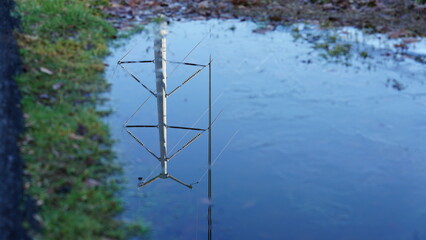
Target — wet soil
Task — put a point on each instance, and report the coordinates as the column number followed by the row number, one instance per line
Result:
column 396, row 18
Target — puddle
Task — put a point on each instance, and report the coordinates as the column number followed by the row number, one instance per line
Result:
column 323, row 151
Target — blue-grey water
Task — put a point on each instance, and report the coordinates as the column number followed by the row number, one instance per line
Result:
column 322, row 150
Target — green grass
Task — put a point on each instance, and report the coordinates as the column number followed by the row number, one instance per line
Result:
column 66, row 146
column 339, row 50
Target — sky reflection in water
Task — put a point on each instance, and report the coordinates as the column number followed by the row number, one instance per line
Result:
column 324, row 151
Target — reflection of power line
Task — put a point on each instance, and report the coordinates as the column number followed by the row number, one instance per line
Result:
column 160, row 61
column 209, row 210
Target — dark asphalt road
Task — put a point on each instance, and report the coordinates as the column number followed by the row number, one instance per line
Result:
column 11, row 189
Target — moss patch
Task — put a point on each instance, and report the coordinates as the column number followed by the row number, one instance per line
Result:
column 66, row 146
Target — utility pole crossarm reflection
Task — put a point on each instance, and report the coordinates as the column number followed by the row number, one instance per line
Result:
column 160, row 61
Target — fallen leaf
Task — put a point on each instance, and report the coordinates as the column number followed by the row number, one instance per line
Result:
column 29, row 37
column 45, row 70
column 39, row 202
column 398, row 34
column 410, row 40
column 401, row 45
column 203, row 5
column 75, row 136
column 263, row 30
column 43, row 96
column 327, row 6
column 56, row 86
column 38, row 218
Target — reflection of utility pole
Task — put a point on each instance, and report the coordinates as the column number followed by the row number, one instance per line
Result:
column 160, row 62
column 161, row 82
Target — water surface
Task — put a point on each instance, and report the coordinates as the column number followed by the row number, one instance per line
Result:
column 323, row 150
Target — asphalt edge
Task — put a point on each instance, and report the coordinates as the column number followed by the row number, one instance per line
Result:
column 11, row 126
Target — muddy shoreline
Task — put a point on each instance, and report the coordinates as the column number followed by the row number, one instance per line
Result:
column 11, row 125
column 395, row 18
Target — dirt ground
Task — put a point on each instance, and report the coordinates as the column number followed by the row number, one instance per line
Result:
column 396, row 18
